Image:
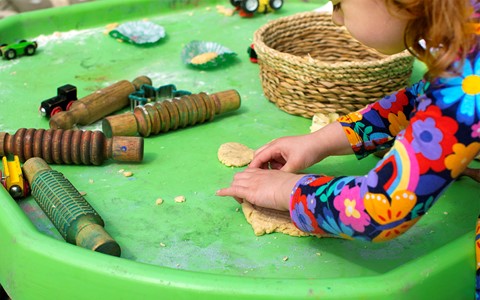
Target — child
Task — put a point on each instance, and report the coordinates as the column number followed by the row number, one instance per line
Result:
column 431, row 128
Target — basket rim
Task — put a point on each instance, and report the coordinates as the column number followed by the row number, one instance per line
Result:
column 261, row 48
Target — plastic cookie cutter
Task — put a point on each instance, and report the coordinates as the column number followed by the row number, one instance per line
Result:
column 148, row 93
column 206, row 54
column 139, row 32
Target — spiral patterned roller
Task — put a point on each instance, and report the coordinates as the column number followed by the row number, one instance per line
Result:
column 70, row 146
column 167, row 115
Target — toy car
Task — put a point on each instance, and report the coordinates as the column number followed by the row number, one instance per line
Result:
column 248, row 7
column 13, row 179
column 22, row 47
column 62, row 101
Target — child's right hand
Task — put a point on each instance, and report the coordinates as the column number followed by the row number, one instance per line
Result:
column 295, row 153
column 289, row 154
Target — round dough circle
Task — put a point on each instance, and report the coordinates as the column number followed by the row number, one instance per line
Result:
column 234, row 154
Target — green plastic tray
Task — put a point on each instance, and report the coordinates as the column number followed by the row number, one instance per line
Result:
column 203, row 248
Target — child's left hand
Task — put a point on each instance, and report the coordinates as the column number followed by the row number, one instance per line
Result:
column 265, row 188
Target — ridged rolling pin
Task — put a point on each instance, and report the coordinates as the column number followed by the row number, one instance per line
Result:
column 72, row 215
column 98, row 104
column 70, row 146
column 166, row 115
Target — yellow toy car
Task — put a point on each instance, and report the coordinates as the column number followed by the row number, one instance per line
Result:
column 249, row 7
column 12, row 178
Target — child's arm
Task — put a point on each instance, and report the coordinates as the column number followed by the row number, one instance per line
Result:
column 381, row 122
column 441, row 139
column 269, row 188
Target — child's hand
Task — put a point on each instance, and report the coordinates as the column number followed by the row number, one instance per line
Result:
column 289, row 154
column 295, row 153
column 265, row 188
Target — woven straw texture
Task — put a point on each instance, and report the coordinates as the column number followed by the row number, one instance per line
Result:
column 310, row 65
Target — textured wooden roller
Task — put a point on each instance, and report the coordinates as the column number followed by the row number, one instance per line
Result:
column 166, row 115
column 76, row 220
column 70, row 146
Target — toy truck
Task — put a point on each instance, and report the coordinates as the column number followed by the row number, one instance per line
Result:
column 62, row 101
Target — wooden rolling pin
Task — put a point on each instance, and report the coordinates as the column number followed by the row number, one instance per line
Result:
column 166, row 115
column 70, row 146
column 98, row 104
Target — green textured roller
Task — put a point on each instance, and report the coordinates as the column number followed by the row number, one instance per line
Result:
column 72, row 215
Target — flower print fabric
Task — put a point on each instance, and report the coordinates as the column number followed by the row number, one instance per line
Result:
column 477, row 254
column 432, row 131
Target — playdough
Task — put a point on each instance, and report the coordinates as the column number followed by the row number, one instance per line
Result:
column 234, row 154
column 265, row 220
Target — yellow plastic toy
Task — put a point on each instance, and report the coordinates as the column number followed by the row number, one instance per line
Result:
column 247, row 8
column 12, row 178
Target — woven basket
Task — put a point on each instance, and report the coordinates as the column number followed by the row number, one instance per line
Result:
column 310, row 65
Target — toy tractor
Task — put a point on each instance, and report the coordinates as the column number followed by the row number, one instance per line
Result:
column 246, row 8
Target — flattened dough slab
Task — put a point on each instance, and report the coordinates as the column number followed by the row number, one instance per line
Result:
column 234, row 154
column 265, row 220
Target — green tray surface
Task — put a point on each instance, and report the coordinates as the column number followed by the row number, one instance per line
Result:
column 202, row 248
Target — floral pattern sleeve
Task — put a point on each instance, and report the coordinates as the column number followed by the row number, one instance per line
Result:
column 432, row 131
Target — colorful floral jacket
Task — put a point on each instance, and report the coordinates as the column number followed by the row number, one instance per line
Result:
column 433, row 132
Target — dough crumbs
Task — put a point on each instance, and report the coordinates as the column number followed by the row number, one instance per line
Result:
column 127, row 174
column 203, row 58
column 234, row 154
column 159, row 201
column 228, row 12
column 180, row 199
column 265, row 220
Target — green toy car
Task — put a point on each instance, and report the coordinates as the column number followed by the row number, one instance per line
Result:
column 22, row 47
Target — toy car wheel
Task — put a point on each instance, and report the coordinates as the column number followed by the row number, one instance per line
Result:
column 69, row 105
column 250, row 6
column 10, row 54
column 276, row 4
column 30, row 50
column 55, row 110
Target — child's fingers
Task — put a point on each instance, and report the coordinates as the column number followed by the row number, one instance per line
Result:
column 226, row 192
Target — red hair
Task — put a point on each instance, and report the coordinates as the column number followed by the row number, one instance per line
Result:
column 442, row 25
